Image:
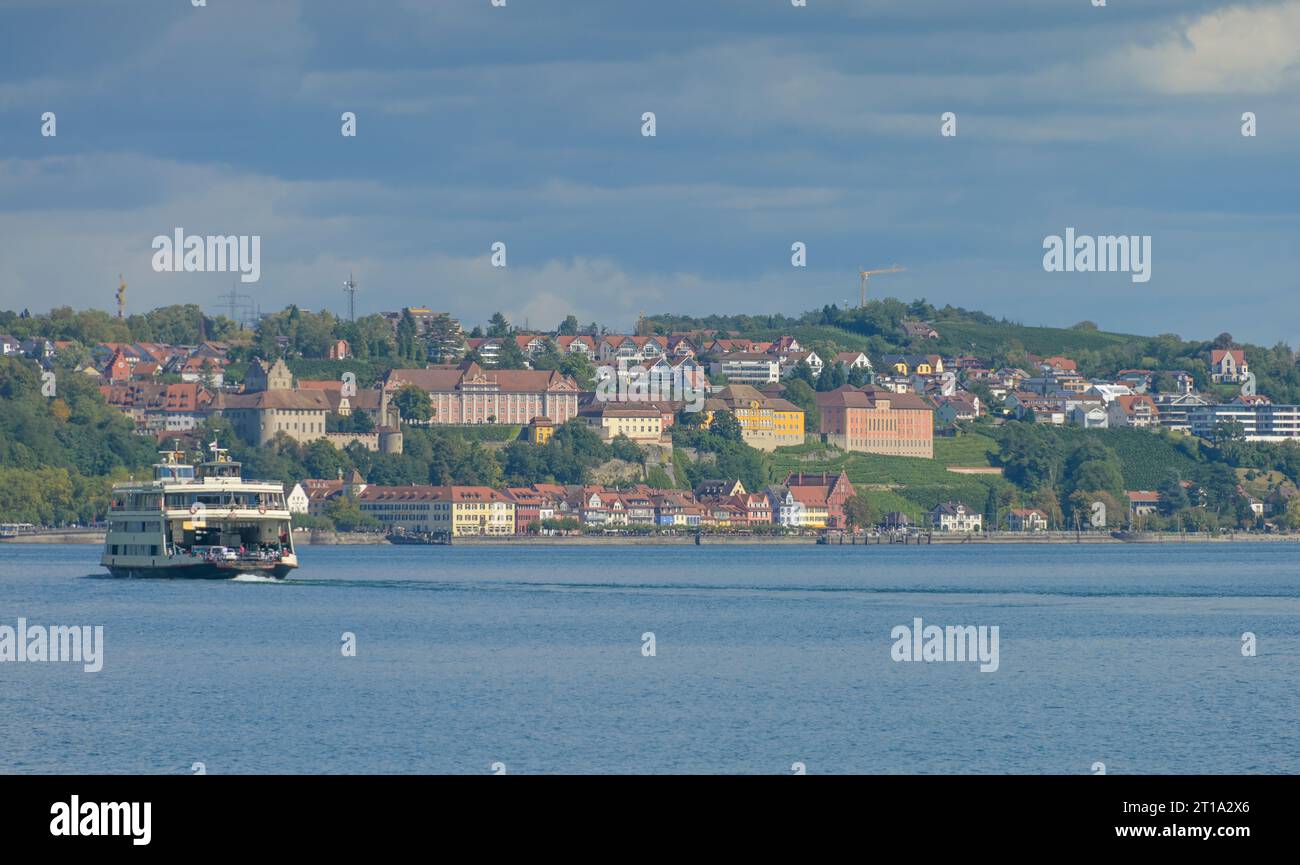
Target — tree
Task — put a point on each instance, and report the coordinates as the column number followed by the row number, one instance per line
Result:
column 579, row 367
column 832, row 377
column 549, row 357
column 569, row 327
column 858, row 511
column 1045, row 500
column 1032, row 461
column 311, row 521
column 1173, row 495
column 1292, row 517
column 627, row 450
column 362, row 422
column 413, row 403
column 498, row 326
column 511, row 356
column 920, row 309
column 323, row 460
column 689, row 419
column 1217, row 485
column 372, row 336
column 1081, row 508
column 1228, row 430
column 726, row 427
column 803, row 372
column 524, row 464
column 406, row 330
column 347, row 516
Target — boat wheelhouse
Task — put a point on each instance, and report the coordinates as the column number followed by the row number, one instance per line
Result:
column 201, row 521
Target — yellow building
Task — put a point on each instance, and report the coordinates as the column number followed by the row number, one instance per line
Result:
column 459, row 511
column 914, row 364
column 469, row 511
column 643, row 424
column 409, row 508
column 540, row 430
column 766, row 423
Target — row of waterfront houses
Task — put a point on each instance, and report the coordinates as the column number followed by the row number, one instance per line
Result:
column 803, row 501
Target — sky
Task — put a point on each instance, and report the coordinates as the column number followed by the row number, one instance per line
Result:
column 775, row 124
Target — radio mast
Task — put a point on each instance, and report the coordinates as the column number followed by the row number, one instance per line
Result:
column 351, row 288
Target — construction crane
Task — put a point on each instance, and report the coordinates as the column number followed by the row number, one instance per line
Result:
column 865, row 274
column 121, row 296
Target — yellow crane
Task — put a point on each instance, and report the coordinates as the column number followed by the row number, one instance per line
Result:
column 864, row 274
column 121, row 296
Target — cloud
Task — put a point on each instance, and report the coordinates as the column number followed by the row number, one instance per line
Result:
column 776, row 124
column 1241, row 49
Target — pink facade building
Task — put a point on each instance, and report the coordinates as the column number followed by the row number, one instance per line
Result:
column 471, row 394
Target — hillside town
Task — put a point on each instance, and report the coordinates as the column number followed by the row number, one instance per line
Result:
column 635, row 388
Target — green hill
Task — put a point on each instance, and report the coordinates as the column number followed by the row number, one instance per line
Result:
column 906, row 484
column 970, row 337
column 914, row 485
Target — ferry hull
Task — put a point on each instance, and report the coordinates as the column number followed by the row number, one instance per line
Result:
column 202, row 570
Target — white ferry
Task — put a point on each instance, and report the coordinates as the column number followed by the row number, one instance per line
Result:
column 207, row 523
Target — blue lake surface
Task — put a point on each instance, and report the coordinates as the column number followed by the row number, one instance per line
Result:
column 766, row 656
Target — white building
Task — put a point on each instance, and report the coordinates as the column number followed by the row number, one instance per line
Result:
column 1259, row 422
column 1089, row 417
column 955, row 517
column 752, row 368
column 788, row 510
column 1108, row 392
column 853, row 360
column 790, row 362
column 297, row 500
column 1174, row 409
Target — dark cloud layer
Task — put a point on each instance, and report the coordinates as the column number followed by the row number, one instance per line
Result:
column 775, row 124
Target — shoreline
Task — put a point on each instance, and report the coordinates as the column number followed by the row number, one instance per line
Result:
column 1003, row 538
column 1007, row 538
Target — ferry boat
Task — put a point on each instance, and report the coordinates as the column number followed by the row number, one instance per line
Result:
column 201, row 522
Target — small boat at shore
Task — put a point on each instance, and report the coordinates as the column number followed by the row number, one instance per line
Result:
column 421, row 538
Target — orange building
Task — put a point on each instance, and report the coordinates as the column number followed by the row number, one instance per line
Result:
column 878, row 421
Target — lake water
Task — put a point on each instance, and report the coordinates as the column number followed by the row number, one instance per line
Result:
column 765, row 656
